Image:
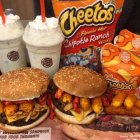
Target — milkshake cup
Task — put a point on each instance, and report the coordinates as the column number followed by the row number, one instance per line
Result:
column 43, row 41
column 12, row 50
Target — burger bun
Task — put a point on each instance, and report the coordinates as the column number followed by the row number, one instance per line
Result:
column 23, row 84
column 71, row 119
column 80, row 81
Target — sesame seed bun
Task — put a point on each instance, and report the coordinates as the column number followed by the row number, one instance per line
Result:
column 23, row 84
column 71, row 119
column 15, row 129
column 80, row 81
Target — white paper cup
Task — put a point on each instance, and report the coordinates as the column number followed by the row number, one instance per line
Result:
column 12, row 49
column 12, row 55
column 43, row 42
column 46, row 58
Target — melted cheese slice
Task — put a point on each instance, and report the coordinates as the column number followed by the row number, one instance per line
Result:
column 82, row 115
column 14, row 118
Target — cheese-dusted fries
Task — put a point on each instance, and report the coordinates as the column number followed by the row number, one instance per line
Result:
column 134, row 112
column 137, row 103
column 124, row 74
column 11, row 109
column 115, row 61
column 66, row 98
column 116, row 110
column 97, row 105
column 85, row 103
column 130, row 101
column 26, row 107
column 118, row 99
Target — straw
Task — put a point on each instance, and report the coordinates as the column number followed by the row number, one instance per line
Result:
column 2, row 13
column 42, row 7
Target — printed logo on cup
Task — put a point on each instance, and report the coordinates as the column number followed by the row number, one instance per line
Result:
column 47, row 62
column 13, row 55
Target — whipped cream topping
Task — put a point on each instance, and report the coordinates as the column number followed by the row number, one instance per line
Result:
column 12, row 29
column 45, row 34
column 48, row 24
column 10, row 19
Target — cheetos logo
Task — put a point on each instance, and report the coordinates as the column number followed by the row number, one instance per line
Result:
column 71, row 19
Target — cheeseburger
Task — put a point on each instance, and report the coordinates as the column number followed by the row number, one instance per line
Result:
column 78, row 97
column 23, row 99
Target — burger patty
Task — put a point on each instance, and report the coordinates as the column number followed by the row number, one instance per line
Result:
column 20, row 122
